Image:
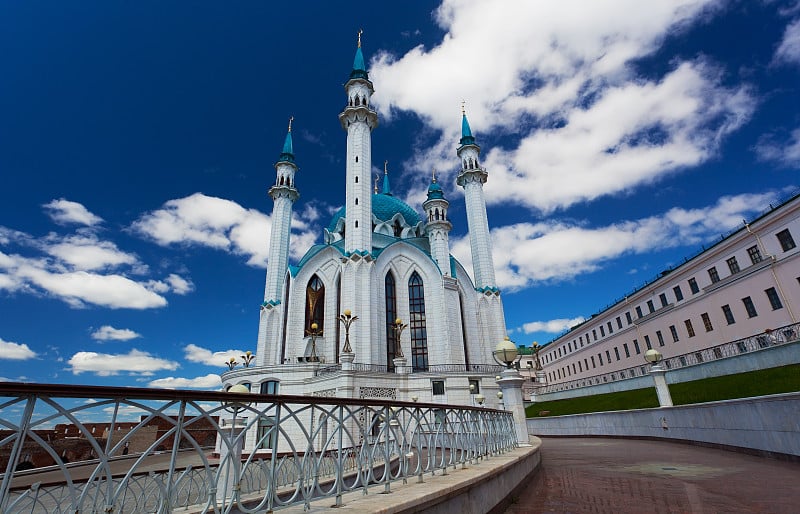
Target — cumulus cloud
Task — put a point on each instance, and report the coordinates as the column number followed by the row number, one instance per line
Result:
column 210, row 381
column 174, row 283
column 194, row 353
column 86, row 252
column 218, row 223
column 15, row 351
column 135, row 362
column 554, row 326
column 527, row 253
column 109, row 333
column 556, row 81
column 65, row 212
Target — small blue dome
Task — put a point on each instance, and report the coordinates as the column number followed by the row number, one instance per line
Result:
column 383, row 208
column 435, row 191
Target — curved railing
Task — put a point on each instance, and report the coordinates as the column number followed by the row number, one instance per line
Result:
column 144, row 450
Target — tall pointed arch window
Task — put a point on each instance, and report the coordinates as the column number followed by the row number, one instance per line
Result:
column 390, row 291
column 417, row 323
column 315, row 304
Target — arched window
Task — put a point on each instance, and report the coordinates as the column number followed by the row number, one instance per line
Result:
column 398, row 228
column 315, row 304
column 417, row 324
column 391, row 315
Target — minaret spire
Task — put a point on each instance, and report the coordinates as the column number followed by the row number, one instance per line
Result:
column 386, row 189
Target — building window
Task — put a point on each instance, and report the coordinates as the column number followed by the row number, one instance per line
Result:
column 619, row 322
column 474, row 386
column 785, row 239
column 650, row 306
column 755, row 255
column 610, row 328
column 390, row 291
column 600, row 358
column 594, row 334
column 593, row 364
column 712, row 273
column 628, row 316
column 660, row 338
column 733, row 265
column 266, row 435
column 647, row 342
column 437, row 387
column 726, row 310
column 638, row 311
column 626, row 350
column 707, row 322
column 417, row 323
column 689, row 327
column 678, row 293
column 693, row 286
column 315, row 305
column 663, row 298
column 636, row 347
column 749, row 307
column 774, row 299
column 269, row 387
column 602, row 331
column 616, row 352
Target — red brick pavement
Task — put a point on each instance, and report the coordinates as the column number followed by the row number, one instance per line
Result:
column 591, row 475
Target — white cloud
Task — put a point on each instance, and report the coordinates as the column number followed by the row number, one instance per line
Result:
column 202, row 355
column 555, row 80
column 109, row 333
column 135, row 362
column 210, row 381
column 554, row 326
column 15, row 351
column 789, row 49
column 526, row 253
column 174, row 283
column 65, row 212
column 87, row 252
column 786, row 152
column 221, row 224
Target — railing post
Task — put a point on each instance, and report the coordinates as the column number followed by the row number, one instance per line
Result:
column 176, row 439
column 16, row 450
column 275, row 443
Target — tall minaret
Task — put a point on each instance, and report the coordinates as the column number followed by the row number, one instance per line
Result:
column 438, row 226
column 358, row 119
column 283, row 194
column 472, row 177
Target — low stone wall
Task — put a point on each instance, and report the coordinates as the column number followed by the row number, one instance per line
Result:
column 764, row 424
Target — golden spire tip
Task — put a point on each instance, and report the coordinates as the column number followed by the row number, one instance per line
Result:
column 385, row 169
column 360, row 31
column 291, row 119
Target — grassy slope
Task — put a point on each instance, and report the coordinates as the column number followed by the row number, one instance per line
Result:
column 784, row 379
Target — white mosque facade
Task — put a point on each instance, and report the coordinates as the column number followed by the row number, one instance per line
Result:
column 380, row 261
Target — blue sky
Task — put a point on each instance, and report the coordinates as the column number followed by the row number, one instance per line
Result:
column 137, row 141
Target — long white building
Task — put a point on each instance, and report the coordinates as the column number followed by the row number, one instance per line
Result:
column 746, row 284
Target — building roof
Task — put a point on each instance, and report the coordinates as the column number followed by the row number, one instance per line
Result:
column 384, row 207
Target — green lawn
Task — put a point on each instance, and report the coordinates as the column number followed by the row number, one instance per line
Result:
column 784, row 379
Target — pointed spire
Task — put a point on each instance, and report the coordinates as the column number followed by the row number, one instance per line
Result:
column 377, row 178
column 466, row 132
column 359, row 68
column 386, row 189
column 288, row 151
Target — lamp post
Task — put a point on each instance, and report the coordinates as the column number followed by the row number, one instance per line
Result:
column 247, row 358
column 657, row 371
column 399, row 359
column 314, row 332
column 505, row 353
column 347, row 356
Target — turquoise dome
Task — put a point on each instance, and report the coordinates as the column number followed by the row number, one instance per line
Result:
column 383, row 208
column 435, row 191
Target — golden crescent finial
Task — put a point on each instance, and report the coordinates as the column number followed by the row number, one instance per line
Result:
column 360, row 31
column 385, row 169
column 377, row 178
column 434, row 175
column 463, row 108
column 291, row 119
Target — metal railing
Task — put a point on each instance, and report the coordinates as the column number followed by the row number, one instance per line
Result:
column 783, row 335
column 150, row 456
column 488, row 369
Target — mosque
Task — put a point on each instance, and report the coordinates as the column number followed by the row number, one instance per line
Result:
column 380, row 309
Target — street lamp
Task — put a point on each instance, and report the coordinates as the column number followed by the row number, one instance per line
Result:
column 657, row 371
column 347, row 319
column 505, row 352
column 480, row 399
column 247, row 358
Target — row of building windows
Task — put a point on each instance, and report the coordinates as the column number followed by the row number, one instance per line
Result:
column 784, row 239
column 750, row 309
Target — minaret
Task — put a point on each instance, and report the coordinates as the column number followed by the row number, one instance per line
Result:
column 472, row 177
column 358, row 119
column 283, row 194
column 438, row 226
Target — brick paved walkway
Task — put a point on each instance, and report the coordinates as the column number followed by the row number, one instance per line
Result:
column 630, row 476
